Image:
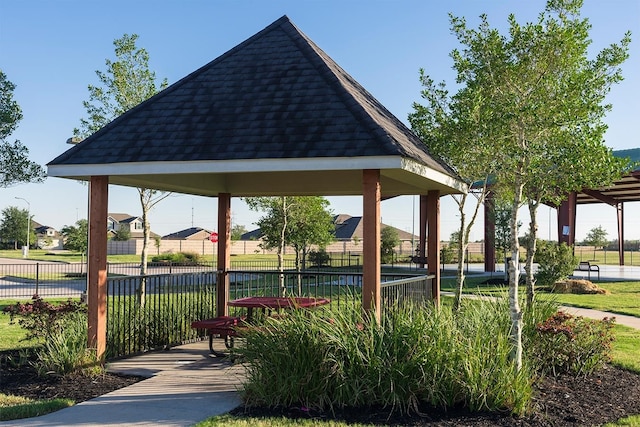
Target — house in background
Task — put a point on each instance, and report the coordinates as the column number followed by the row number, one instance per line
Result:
column 119, row 221
column 349, row 235
column 193, row 233
column 47, row 237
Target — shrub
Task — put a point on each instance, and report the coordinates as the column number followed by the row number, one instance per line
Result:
column 190, row 258
column 40, row 318
column 555, row 262
column 319, row 258
column 66, row 350
column 568, row 344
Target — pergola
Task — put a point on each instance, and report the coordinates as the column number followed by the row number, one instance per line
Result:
column 625, row 189
column 273, row 116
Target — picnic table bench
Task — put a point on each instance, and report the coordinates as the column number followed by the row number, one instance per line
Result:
column 226, row 327
column 588, row 267
column 230, row 327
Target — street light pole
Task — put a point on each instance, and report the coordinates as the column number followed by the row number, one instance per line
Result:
column 25, row 252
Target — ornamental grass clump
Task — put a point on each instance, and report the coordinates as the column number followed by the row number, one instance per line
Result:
column 418, row 355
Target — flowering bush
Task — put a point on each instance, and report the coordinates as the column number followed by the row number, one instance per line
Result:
column 42, row 319
column 569, row 344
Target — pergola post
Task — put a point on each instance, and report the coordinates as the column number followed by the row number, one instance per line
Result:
column 620, row 211
column 371, row 243
column 97, row 265
column 423, row 228
column 224, row 253
column 567, row 220
column 490, row 232
column 433, row 260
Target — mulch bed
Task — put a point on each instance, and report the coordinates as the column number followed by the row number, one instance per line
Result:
column 24, row 381
column 606, row 396
column 603, row 397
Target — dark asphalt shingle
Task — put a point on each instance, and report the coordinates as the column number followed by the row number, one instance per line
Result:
column 276, row 95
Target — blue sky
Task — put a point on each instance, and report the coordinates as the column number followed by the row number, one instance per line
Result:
column 51, row 50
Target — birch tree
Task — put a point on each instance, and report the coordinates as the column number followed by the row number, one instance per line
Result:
column 127, row 82
column 543, row 101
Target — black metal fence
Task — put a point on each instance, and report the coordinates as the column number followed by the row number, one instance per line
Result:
column 172, row 302
column 175, row 295
column 162, row 317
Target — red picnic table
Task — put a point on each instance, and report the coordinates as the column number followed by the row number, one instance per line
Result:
column 276, row 303
column 226, row 326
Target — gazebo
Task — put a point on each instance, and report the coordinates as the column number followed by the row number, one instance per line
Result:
column 272, row 116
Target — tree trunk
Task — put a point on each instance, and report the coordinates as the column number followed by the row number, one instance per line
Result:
column 514, row 277
column 531, row 251
column 461, row 253
column 144, row 203
column 283, row 289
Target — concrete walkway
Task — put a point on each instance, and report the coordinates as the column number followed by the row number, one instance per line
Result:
column 186, row 386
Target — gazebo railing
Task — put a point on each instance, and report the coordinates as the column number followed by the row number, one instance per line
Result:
column 172, row 301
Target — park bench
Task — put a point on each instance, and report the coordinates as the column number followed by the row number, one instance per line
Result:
column 225, row 327
column 588, row 267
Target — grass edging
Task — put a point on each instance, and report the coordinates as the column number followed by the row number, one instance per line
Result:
column 15, row 407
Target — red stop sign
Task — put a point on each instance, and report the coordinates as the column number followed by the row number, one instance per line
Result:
column 213, row 237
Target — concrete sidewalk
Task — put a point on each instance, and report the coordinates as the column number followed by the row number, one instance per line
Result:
column 186, row 385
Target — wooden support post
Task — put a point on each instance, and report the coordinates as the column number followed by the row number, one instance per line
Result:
column 224, row 253
column 423, row 228
column 371, row 245
column 433, row 259
column 620, row 211
column 567, row 220
column 97, row 265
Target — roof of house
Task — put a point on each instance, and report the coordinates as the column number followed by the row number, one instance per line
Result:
column 273, row 106
column 187, row 233
column 346, row 228
column 122, row 217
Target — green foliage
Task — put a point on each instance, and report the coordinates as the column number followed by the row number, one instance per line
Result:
column 388, row 241
column 333, row 359
column 447, row 254
column 568, row 344
column 13, row 227
column 319, row 258
column 65, row 350
column 15, row 166
column 237, row 231
column 15, row 407
column 126, row 82
column 555, row 262
column 299, row 221
column 122, row 234
column 185, row 258
column 42, row 319
column 597, row 237
column 76, row 237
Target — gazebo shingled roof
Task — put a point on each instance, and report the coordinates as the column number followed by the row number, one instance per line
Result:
column 273, row 106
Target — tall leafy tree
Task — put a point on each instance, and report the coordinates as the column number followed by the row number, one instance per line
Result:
column 76, row 236
column 543, row 104
column 127, row 82
column 455, row 128
column 597, row 237
column 389, row 239
column 299, row 221
column 15, row 166
column 13, row 227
